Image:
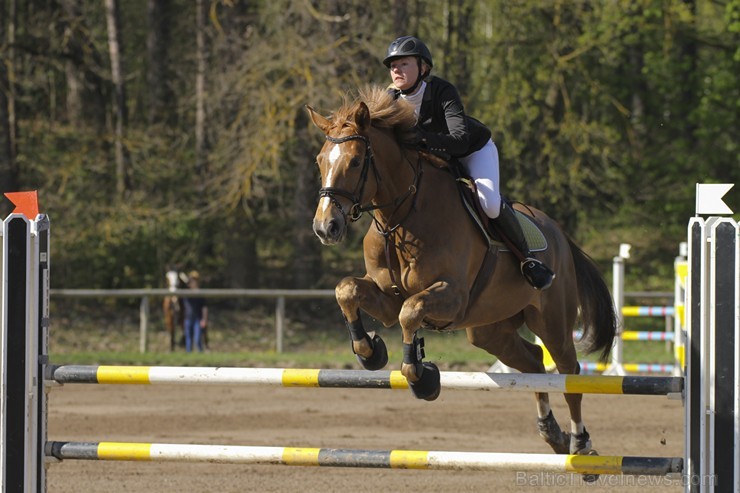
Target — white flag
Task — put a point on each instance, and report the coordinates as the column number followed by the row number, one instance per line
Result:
column 709, row 198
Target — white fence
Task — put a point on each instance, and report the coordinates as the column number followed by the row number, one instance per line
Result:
column 279, row 295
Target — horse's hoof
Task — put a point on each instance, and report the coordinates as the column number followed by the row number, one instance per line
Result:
column 428, row 386
column 552, row 434
column 590, row 478
column 378, row 359
column 580, row 444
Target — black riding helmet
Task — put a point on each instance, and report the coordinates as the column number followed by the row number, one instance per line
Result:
column 408, row 46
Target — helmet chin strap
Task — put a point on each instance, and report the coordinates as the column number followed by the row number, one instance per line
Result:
column 419, row 79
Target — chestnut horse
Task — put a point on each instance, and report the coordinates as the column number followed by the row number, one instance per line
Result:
column 172, row 310
column 425, row 263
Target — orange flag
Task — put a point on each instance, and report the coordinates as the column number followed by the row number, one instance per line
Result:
column 26, row 203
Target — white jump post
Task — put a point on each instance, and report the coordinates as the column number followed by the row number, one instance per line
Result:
column 25, row 282
column 616, row 367
column 712, row 351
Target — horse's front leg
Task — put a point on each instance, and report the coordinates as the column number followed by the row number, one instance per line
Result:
column 440, row 304
column 355, row 293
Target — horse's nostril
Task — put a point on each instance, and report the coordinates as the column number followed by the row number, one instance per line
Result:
column 329, row 231
column 320, row 232
column 333, row 228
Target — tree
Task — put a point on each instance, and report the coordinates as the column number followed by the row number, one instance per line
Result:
column 457, row 43
column 85, row 92
column 160, row 97
column 119, row 89
column 400, row 18
column 200, row 88
column 8, row 164
column 605, row 113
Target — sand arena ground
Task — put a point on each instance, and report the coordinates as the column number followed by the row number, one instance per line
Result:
column 343, row 418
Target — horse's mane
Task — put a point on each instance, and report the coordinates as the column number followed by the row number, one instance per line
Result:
column 385, row 111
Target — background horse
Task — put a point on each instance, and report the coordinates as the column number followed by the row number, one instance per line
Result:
column 428, row 267
column 172, row 310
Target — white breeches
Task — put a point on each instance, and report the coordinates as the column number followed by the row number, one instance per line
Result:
column 482, row 166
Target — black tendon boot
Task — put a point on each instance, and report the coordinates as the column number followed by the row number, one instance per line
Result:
column 535, row 272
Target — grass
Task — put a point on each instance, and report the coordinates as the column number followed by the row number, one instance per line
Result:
column 244, row 336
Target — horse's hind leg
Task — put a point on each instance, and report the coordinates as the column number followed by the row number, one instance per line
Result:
column 566, row 361
column 503, row 341
column 547, row 426
column 560, row 345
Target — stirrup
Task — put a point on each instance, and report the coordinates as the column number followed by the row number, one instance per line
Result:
column 536, row 273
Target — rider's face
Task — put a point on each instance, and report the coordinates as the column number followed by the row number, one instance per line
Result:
column 404, row 72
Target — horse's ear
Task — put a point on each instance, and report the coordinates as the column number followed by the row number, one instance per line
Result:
column 362, row 117
column 322, row 122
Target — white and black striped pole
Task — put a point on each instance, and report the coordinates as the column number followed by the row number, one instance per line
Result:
column 713, row 355
column 22, row 396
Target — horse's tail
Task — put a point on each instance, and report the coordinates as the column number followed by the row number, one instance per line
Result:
column 597, row 308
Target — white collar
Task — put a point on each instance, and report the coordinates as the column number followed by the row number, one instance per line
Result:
column 416, row 97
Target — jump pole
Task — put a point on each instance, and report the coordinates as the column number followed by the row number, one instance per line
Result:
column 617, row 366
column 293, row 377
column 680, row 268
column 388, row 459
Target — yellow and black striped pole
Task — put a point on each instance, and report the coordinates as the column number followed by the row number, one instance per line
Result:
column 389, row 459
column 286, row 377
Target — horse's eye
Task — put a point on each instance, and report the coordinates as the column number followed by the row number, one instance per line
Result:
column 355, row 162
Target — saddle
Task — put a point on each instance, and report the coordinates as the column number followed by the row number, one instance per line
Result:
column 469, row 196
column 494, row 239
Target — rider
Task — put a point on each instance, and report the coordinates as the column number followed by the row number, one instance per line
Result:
column 444, row 128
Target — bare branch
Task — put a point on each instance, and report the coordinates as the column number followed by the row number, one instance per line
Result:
column 324, row 17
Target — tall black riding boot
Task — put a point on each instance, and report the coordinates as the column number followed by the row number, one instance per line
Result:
column 535, row 272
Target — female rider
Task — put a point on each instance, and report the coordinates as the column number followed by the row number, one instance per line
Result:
column 443, row 128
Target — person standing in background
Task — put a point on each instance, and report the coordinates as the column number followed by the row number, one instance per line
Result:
column 196, row 315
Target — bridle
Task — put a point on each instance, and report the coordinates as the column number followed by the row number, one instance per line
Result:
column 356, row 209
column 355, row 197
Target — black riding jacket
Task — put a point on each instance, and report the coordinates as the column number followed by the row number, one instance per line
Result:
column 444, row 126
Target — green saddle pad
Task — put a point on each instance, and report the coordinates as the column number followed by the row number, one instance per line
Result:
column 535, row 239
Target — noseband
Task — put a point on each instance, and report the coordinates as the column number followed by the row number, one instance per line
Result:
column 356, row 210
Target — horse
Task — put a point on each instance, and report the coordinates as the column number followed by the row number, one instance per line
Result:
column 172, row 309
column 428, row 267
